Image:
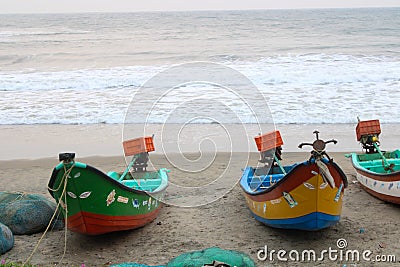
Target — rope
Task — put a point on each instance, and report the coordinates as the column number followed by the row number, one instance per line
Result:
column 21, row 194
column 18, row 193
column 65, row 180
column 66, row 214
column 66, row 174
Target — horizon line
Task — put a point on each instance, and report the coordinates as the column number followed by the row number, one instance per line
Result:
column 192, row 10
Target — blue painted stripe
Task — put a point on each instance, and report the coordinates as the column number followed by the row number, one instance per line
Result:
column 310, row 222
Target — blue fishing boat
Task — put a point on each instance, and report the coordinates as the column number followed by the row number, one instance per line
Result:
column 305, row 196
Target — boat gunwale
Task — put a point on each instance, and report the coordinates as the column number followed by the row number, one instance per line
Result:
column 371, row 174
column 110, row 179
column 291, row 173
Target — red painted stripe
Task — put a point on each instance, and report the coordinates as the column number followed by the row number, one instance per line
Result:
column 95, row 224
column 75, row 219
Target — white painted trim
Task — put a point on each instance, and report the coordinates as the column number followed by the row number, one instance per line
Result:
column 391, row 188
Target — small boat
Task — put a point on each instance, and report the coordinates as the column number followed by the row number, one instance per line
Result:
column 305, row 196
column 377, row 171
column 95, row 203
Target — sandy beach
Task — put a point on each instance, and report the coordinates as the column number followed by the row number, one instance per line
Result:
column 47, row 140
column 204, row 78
column 366, row 223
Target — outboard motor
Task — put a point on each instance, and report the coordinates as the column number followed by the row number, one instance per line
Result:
column 270, row 147
column 139, row 148
column 368, row 134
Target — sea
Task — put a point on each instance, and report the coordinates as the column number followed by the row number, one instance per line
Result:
column 305, row 66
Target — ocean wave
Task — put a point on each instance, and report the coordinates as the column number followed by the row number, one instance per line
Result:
column 308, row 88
column 296, row 70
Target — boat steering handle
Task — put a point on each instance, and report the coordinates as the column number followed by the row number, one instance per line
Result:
column 304, row 144
column 319, row 144
column 309, row 144
column 331, row 141
column 318, row 147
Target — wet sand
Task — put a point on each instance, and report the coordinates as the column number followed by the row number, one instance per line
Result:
column 45, row 141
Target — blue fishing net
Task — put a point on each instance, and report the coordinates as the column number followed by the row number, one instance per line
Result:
column 26, row 213
column 6, row 239
column 212, row 257
column 134, row 265
column 209, row 257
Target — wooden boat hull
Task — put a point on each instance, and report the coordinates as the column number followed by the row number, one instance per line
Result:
column 315, row 205
column 95, row 224
column 94, row 203
column 382, row 185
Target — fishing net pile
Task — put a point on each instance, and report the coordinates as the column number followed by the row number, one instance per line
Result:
column 208, row 257
column 6, row 239
column 27, row 213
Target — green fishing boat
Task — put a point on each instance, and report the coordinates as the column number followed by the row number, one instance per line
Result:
column 377, row 171
column 95, row 203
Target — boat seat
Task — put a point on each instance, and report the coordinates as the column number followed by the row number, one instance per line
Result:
column 130, row 183
column 265, row 181
column 377, row 163
column 147, row 185
column 114, row 175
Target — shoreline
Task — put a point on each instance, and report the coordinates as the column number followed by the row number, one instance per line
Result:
column 48, row 140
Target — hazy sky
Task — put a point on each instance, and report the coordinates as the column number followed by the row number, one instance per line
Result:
column 51, row 6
